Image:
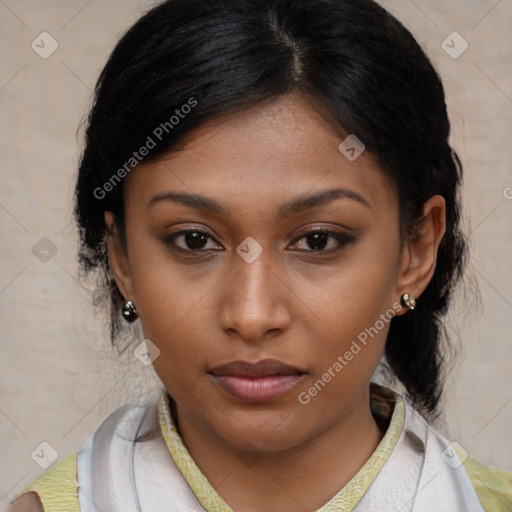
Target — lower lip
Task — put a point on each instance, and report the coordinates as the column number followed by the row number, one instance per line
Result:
column 257, row 389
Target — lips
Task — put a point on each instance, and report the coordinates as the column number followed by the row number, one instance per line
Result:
column 256, row 382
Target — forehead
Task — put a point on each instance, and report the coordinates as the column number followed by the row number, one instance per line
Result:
column 266, row 154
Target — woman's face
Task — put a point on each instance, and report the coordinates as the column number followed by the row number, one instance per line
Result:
column 250, row 282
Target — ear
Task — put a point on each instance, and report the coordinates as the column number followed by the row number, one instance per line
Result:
column 118, row 259
column 419, row 256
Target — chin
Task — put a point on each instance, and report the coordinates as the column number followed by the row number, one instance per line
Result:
column 265, row 430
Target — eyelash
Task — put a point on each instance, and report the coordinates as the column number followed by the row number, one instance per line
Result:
column 343, row 239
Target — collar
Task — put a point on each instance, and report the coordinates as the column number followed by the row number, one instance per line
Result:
column 387, row 407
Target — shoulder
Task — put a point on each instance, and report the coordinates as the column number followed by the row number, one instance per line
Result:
column 28, row 502
column 463, row 476
column 57, row 488
column 54, row 490
column 493, row 485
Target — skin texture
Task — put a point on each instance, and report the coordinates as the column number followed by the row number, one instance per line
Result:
column 28, row 502
column 301, row 306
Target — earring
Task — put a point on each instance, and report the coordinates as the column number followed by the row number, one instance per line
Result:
column 407, row 301
column 129, row 312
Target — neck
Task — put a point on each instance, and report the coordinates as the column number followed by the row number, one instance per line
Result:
column 304, row 477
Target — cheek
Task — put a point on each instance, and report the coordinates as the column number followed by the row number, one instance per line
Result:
column 353, row 293
column 350, row 310
column 349, row 339
column 348, row 325
column 166, row 291
column 174, row 313
column 184, row 345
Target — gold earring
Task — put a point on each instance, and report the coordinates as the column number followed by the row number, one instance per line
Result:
column 129, row 312
column 407, row 301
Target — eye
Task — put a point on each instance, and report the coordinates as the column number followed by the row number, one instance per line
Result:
column 190, row 240
column 324, row 240
column 318, row 240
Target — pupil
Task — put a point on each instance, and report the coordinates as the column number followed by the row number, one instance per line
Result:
column 317, row 239
column 195, row 240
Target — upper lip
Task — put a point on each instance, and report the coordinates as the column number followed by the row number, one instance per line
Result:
column 262, row 368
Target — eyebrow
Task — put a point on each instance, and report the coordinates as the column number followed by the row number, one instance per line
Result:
column 295, row 206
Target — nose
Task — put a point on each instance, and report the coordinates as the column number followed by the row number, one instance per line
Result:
column 255, row 303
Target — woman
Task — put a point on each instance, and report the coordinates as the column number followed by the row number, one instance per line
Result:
column 268, row 186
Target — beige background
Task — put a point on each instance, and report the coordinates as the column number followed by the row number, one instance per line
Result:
column 58, row 376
